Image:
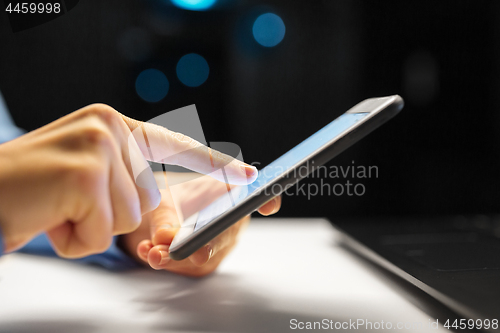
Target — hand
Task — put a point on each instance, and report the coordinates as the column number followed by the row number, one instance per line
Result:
column 74, row 178
column 150, row 242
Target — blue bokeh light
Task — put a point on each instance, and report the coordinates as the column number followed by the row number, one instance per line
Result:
column 192, row 70
column 197, row 5
column 152, row 85
column 269, row 30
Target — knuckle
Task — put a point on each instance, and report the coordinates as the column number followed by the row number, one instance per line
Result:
column 96, row 134
column 103, row 112
column 91, row 134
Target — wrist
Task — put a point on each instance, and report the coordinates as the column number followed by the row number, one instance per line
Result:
column 8, row 241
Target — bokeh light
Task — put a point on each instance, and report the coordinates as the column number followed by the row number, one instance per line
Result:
column 152, row 85
column 198, row 5
column 269, row 30
column 192, row 70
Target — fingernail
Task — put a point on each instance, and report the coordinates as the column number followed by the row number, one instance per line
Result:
column 248, row 170
column 275, row 205
column 164, row 258
column 210, row 252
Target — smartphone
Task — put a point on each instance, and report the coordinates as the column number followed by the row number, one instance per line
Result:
column 296, row 164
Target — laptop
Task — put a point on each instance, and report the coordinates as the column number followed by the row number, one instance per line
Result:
column 454, row 259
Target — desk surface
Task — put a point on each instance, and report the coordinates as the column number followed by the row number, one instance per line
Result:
column 281, row 270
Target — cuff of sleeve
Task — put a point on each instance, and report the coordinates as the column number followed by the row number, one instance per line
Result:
column 9, row 133
column 113, row 259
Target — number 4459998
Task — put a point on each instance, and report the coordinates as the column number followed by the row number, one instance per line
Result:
column 32, row 8
column 471, row 324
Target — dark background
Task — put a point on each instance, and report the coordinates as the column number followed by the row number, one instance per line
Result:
column 439, row 156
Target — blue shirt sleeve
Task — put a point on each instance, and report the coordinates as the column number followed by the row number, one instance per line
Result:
column 113, row 258
column 8, row 130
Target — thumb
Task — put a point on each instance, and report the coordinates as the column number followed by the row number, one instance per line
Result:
column 165, row 220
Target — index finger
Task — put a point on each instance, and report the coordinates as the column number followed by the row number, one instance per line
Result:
column 158, row 144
